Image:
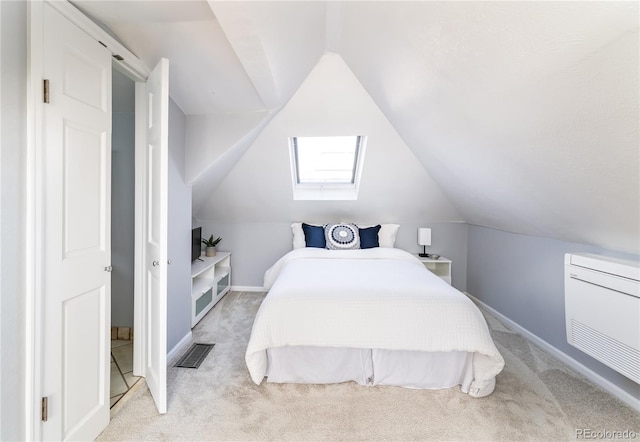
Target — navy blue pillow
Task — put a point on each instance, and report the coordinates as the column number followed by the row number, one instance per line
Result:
column 369, row 237
column 314, row 236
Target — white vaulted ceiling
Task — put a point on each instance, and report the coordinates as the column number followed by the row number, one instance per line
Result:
column 523, row 115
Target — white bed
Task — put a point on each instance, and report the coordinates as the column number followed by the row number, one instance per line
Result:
column 374, row 316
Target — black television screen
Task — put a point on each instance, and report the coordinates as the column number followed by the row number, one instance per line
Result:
column 196, row 241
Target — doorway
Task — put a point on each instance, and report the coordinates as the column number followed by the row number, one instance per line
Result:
column 122, row 235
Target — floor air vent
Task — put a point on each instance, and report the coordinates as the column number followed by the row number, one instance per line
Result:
column 194, row 356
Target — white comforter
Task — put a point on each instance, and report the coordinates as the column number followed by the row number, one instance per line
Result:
column 373, row 298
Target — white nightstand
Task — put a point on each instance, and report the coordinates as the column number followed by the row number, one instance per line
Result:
column 440, row 267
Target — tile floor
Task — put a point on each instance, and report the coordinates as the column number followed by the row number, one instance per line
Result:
column 122, row 378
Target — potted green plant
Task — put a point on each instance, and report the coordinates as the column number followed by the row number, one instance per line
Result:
column 211, row 245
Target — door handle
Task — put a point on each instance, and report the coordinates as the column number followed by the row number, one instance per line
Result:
column 155, row 263
column 108, row 269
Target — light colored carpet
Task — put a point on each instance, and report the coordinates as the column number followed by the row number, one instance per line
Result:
column 536, row 398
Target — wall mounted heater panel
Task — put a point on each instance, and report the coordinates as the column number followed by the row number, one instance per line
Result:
column 602, row 309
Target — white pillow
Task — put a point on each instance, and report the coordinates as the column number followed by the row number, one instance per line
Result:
column 298, row 236
column 387, row 235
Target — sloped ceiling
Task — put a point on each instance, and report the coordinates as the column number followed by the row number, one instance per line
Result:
column 394, row 187
column 525, row 114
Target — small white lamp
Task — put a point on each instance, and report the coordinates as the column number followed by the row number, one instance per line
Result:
column 424, row 239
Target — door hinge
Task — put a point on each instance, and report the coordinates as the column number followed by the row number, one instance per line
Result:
column 45, row 91
column 45, row 409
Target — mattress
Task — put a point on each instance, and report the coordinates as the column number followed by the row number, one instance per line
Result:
column 380, row 299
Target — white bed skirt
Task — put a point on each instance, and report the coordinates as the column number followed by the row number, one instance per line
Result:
column 410, row 369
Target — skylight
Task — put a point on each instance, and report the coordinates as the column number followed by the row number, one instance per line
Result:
column 326, row 159
column 326, row 167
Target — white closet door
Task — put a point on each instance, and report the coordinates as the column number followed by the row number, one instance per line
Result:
column 154, row 96
column 76, row 231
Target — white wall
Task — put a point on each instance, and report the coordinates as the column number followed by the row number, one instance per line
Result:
column 208, row 137
column 13, row 87
column 331, row 101
column 214, row 145
column 253, row 206
column 522, row 277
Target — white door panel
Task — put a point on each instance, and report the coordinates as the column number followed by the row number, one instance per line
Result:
column 77, row 182
column 155, row 214
column 85, row 80
column 84, row 170
column 80, row 333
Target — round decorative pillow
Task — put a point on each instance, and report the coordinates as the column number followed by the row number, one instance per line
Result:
column 342, row 236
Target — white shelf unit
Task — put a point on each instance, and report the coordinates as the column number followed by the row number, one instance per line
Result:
column 210, row 281
column 440, row 267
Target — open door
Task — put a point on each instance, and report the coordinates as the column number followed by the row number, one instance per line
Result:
column 152, row 150
column 69, row 229
column 75, row 226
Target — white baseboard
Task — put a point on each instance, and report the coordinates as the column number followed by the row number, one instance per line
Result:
column 247, row 288
column 594, row 377
column 178, row 348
